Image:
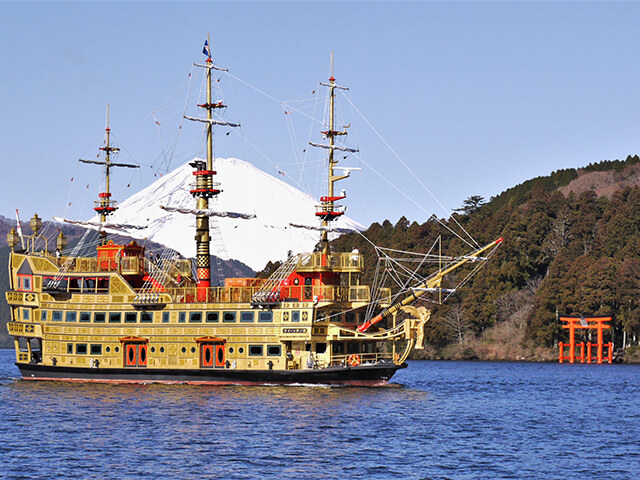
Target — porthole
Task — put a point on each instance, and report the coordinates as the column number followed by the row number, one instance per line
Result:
column 117, row 349
column 161, row 349
column 184, row 349
column 241, row 350
column 153, row 349
column 107, row 349
column 193, row 349
column 230, row 349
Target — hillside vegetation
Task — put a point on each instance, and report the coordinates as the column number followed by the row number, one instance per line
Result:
column 572, row 255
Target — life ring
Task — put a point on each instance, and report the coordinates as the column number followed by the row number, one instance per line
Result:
column 354, row 360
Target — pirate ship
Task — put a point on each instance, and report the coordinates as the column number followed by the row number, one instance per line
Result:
column 118, row 316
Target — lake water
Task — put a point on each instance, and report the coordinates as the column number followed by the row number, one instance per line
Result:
column 437, row 420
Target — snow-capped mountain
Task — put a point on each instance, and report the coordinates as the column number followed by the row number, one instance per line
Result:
column 245, row 189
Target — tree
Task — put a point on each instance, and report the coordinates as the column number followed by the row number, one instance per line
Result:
column 471, row 205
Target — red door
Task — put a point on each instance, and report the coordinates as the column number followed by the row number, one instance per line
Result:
column 130, row 355
column 135, row 354
column 206, row 355
column 220, row 355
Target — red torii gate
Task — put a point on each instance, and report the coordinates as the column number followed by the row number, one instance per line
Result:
column 585, row 323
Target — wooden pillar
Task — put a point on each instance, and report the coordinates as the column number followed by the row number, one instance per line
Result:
column 572, row 341
column 599, row 326
column 560, row 356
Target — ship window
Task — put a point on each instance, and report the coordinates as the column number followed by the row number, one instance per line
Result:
column 146, row 317
column 117, row 349
column 338, row 348
column 195, row 317
column 103, row 285
column 212, row 317
column 57, row 316
column 161, row 349
column 321, row 347
column 23, row 344
column 265, row 317
column 89, row 285
column 184, row 349
column 99, row 317
column 115, row 317
column 182, row 317
column 230, row 349
column 26, row 314
column 295, row 316
column 193, row 349
column 69, row 348
column 274, row 350
column 165, row 317
column 85, row 316
column 25, row 284
column 70, row 317
column 108, row 349
column 44, row 315
column 130, row 317
column 255, row 350
column 74, row 284
column 352, row 348
column 81, row 349
column 229, row 317
column 241, row 350
column 246, row 317
column 153, row 349
column 96, row 350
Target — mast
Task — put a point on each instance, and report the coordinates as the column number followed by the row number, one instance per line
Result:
column 204, row 187
column 328, row 211
column 105, row 206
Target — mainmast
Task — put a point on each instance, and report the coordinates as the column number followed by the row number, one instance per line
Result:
column 105, row 206
column 328, row 210
column 204, row 187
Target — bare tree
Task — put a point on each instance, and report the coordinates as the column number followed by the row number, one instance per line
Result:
column 456, row 323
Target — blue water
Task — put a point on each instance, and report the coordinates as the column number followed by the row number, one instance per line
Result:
column 438, row 420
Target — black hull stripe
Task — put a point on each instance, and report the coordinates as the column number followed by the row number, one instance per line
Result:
column 365, row 375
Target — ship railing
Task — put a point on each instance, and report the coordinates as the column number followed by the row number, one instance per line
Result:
column 349, row 261
column 299, row 293
column 356, row 359
column 124, row 265
column 212, row 294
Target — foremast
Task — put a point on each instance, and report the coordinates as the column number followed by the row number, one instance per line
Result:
column 204, row 187
column 105, row 206
column 328, row 210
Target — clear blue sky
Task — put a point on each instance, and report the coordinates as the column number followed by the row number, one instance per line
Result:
column 473, row 97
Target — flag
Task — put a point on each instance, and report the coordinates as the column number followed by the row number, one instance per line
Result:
column 206, row 50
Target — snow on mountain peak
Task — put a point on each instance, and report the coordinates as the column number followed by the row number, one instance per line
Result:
column 245, row 189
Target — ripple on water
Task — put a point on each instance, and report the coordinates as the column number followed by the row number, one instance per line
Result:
column 438, row 420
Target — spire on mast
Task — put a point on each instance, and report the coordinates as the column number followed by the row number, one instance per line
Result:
column 328, row 210
column 106, row 206
column 204, row 187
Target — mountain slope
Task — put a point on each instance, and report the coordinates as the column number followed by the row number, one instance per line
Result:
column 245, row 189
column 571, row 246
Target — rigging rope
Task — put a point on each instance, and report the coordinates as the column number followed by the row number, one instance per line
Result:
column 448, row 211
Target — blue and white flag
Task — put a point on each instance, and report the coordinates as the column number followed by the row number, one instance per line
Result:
column 206, row 50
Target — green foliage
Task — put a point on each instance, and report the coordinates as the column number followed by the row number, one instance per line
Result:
column 580, row 252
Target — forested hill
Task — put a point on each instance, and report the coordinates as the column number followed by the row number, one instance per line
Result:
column 563, row 253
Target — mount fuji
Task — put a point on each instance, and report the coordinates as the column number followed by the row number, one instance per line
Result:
column 245, row 189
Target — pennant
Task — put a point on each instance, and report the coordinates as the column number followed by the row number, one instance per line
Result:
column 206, row 49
